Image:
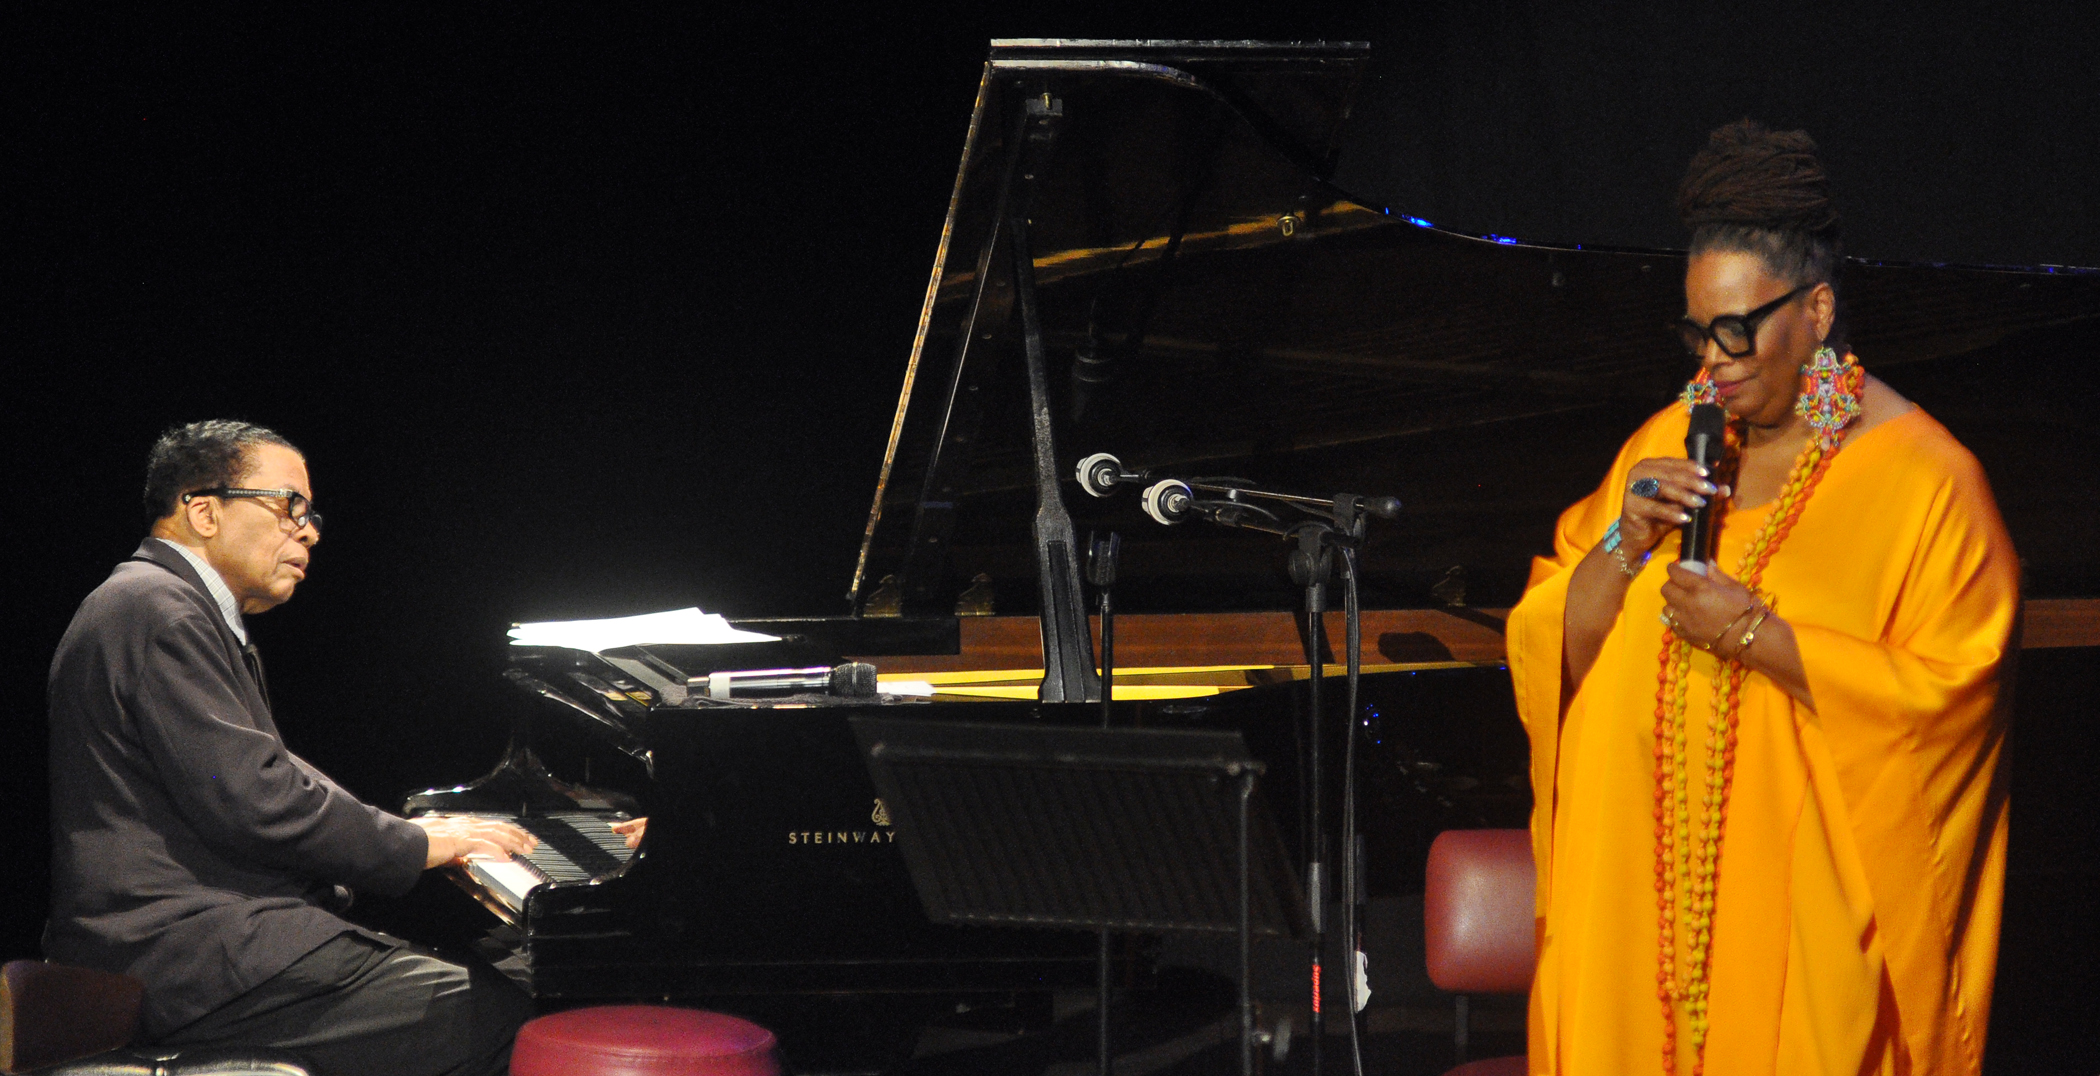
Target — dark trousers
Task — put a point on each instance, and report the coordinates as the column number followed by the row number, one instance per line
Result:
column 355, row 1007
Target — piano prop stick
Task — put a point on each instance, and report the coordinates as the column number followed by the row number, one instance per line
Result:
column 1068, row 665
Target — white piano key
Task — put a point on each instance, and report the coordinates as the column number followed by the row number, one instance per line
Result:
column 508, row 879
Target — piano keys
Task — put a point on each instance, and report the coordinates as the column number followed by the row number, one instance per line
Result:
column 575, row 847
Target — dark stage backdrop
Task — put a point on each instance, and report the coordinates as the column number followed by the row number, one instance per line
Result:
column 1957, row 133
column 580, row 314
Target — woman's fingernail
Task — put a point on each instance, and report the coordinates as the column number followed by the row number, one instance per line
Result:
column 1700, row 501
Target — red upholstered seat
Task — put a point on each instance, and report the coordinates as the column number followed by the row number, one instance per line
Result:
column 57, row 1020
column 50, row 1013
column 1493, row 1066
column 1479, row 917
column 643, row 1040
column 1480, row 923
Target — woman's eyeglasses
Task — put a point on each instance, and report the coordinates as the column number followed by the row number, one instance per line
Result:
column 1735, row 333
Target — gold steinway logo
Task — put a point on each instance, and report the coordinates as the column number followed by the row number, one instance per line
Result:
column 880, row 816
column 842, row 836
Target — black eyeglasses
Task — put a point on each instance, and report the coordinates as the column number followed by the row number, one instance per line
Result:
column 296, row 507
column 1736, row 333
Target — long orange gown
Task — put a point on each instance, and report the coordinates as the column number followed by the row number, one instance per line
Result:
column 1862, row 867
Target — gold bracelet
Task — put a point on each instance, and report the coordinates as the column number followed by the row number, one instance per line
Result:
column 1742, row 645
column 1626, row 567
column 1747, row 610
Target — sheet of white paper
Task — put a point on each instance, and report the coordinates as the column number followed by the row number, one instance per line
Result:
column 673, row 626
column 920, row 688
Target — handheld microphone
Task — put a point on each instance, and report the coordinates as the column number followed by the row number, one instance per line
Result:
column 1704, row 445
column 853, row 680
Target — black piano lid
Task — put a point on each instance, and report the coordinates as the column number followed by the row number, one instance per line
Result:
column 1256, row 321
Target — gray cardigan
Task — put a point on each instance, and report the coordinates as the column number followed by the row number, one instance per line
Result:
column 190, row 848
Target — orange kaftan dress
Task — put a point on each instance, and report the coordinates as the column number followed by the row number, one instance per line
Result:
column 1862, row 868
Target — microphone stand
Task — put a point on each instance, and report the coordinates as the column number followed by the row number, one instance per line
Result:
column 1310, row 564
column 1102, row 555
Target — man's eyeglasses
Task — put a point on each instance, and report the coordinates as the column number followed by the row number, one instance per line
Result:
column 296, row 507
column 1736, row 333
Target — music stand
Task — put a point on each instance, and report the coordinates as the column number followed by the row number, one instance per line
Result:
column 1085, row 828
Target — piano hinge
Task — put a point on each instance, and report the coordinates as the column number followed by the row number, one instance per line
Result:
column 886, row 600
column 977, row 599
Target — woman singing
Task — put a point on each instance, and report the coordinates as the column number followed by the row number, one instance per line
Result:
column 1771, row 816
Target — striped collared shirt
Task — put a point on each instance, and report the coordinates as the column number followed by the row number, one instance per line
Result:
column 228, row 607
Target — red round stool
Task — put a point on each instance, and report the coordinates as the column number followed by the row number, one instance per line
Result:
column 643, row 1040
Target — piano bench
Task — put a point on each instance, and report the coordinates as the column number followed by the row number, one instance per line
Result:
column 57, row 1020
column 52, row 1013
column 643, row 1040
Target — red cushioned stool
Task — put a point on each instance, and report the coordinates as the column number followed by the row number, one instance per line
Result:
column 643, row 1040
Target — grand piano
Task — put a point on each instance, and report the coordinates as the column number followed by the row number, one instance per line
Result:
column 1145, row 254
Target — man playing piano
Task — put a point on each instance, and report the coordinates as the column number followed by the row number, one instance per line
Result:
column 191, row 849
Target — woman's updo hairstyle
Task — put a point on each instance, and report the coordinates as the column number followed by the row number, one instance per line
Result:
column 1763, row 192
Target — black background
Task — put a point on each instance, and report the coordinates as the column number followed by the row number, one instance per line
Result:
column 585, row 313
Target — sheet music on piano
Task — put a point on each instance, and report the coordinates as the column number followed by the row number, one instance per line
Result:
column 687, row 627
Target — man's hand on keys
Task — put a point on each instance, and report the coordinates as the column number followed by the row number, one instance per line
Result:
column 455, row 837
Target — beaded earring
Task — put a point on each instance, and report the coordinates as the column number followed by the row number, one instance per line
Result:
column 1700, row 390
column 1829, row 399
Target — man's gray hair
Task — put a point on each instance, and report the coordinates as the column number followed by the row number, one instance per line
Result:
column 201, row 455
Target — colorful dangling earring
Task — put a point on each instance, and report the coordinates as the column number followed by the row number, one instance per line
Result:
column 1700, row 390
column 1829, row 399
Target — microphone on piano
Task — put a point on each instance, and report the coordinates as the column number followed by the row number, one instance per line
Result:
column 1704, row 444
column 853, row 680
column 1171, row 501
column 1100, row 474
column 1168, row 501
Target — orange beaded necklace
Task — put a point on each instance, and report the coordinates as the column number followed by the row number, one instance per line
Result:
column 1688, row 859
